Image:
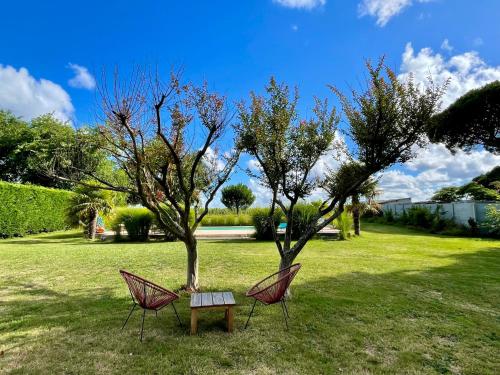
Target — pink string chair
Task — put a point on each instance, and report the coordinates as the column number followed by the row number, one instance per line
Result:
column 272, row 290
column 148, row 296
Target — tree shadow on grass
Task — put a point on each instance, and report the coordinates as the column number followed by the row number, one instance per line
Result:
column 425, row 320
column 444, row 319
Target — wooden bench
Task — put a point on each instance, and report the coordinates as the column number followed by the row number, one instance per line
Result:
column 212, row 301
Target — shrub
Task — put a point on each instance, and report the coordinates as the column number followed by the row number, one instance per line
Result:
column 389, row 216
column 344, row 224
column 420, row 217
column 27, row 209
column 491, row 224
column 137, row 222
column 260, row 221
column 302, row 217
column 222, row 219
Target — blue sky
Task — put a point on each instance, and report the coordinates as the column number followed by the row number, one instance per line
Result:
column 237, row 45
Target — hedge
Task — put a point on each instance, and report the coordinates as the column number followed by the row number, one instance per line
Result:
column 28, row 209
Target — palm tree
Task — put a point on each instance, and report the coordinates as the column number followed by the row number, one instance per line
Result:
column 88, row 203
column 367, row 190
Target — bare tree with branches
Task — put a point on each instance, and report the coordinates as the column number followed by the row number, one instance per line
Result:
column 166, row 137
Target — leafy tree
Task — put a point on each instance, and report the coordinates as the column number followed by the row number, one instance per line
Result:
column 368, row 191
column 236, row 197
column 385, row 122
column 88, row 203
column 29, row 149
column 478, row 192
column 474, row 119
column 147, row 123
column 13, row 132
column 490, row 180
column 447, row 194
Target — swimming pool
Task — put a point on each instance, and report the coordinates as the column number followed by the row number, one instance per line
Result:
column 228, row 228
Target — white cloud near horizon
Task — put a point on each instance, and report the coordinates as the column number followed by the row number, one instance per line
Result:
column 300, row 4
column 435, row 166
column 384, row 10
column 82, row 79
column 28, row 97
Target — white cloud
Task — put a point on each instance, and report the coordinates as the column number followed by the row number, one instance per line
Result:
column 295, row 28
column 464, row 71
column 446, row 45
column 82, row 79
column 28, row 97
column 435, row 167
column 212, row 160
column 384, row 10
column 300, row 4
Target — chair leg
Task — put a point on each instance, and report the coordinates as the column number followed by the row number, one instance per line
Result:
column 129, row 314
column 177, row 315
column 286, row 308
column 142, row 326
column 251, row 312
column 284, row 313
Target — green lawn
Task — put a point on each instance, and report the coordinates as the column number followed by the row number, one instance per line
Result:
column 392, row 301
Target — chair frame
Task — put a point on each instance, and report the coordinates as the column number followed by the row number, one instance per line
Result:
column 143, row 304
column 287, row 273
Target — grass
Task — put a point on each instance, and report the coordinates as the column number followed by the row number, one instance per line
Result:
column 391, row 301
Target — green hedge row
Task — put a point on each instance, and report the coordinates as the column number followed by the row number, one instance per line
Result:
column 27, row 209
column 226, row 219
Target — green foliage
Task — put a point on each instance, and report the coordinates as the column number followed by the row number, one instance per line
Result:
column 490, row 179
column 226, row 219
column 344, row 224
column 474, row 119
column 236, row 197
column 260, row 220
column 35, row 151
column 302, row 215
column 26, row 209
column 88, row 203
column 137, row 222
column 447, row 194
column 389, row 216
column 491, row 223
column 479, row 193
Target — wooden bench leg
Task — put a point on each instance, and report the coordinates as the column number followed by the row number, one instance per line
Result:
column 230, row 318
column 194, row 321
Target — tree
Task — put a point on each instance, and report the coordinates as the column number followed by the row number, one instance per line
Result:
column 385, row 122
column 447, row 194
column 88, row 203
column 13, row 132
column 478, row 192
column 368, row 190
column 473, row 119
column 164, row 137
column 236, row 197
column 28, row 149
column 490, row 180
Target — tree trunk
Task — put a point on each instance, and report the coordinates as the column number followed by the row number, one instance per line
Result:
column 285, row 262
column 92, row 225
column 355, row 215
column 192, row 265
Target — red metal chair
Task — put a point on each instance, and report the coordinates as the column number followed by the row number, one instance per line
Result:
column 272, row 290
column 148, row 296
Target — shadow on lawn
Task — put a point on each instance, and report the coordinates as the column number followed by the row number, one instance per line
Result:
column 368, row 315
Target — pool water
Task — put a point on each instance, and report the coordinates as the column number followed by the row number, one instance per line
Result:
column 228, row 228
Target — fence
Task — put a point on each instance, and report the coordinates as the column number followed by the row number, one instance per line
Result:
column 460, row 212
